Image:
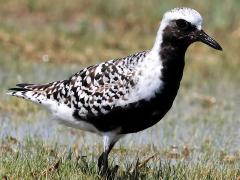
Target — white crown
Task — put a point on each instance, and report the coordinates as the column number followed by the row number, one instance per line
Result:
column 187, row 14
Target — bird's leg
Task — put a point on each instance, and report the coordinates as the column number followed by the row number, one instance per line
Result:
column 109, row 142
column 103, row 163
column 103, row 159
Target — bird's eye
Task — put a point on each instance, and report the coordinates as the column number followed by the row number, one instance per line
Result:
column 182, row 24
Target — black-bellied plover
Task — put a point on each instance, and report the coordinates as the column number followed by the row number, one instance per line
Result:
column 124, row 95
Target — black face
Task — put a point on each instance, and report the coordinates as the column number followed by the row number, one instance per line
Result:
column 185, row 33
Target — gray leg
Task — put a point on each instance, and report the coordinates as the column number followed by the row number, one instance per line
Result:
column 103, row 159
column 109, row 141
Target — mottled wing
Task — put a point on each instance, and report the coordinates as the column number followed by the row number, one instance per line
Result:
column 95, row 94
column 98, row 89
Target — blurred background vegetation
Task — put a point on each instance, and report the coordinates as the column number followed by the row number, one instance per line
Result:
column 43, row 41
column 90, row 31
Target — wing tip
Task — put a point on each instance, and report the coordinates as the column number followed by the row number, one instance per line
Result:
column 17, row 89
column 23, row 85
column 20, row 87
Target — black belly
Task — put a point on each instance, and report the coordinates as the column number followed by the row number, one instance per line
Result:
column 132, row 118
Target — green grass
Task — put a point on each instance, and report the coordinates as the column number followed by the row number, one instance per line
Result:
column 198, row 139
column 34, row 158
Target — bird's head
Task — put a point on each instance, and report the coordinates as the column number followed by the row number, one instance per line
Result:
column 184, row 26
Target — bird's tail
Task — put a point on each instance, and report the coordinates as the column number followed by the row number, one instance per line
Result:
column 32, row 92
column 47, row 94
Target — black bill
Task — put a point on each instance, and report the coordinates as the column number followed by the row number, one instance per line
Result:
column 203, row 37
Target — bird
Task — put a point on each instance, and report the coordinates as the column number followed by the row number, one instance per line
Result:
column 124, row 95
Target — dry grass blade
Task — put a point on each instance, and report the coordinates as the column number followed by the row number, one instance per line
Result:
column 141, row 164
column 5, row 177
column 52, row 168
column 147, row 159
column 134, row 168
column 205, row 100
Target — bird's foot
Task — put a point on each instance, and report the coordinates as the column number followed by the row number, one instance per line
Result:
column 109, row 173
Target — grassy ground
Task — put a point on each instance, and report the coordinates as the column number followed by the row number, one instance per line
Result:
column 42, row 41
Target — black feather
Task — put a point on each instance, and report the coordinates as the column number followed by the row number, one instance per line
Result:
column 23, row 85
column 17, row 89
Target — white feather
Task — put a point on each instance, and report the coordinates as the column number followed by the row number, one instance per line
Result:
column 64, row 115
column 148, row 82
column 187, row 14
